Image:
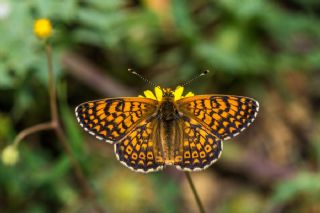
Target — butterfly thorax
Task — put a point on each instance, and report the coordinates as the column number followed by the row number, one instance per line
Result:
column 167, row 111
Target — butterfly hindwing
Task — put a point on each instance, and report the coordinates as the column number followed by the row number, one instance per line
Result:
column 225, row 116
column 200, row 148
column 111, row 119
column 140, row 150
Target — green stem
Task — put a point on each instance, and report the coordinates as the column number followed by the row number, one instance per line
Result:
column 195, row 193
column 51, row 86
column 57, row 127
column 30, row 130
column 79, row 174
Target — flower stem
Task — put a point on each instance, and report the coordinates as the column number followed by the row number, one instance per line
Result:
column 28, row 131
column 54, row 124
column 195, row 193
column 51, row 86
column 86, row 189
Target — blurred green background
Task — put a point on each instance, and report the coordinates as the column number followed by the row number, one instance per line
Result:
column 268, row 50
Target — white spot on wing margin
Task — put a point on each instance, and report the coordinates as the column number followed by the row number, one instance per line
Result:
column 90, row 132
column 248, row 124
column 133, row 169
column 197, row 169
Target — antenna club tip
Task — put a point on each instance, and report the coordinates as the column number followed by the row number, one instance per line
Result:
column 204, row 73
column 132, row 71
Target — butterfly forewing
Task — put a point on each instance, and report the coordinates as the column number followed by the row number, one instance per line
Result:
column 224, row 116
column 112, row 119
column 140, row 150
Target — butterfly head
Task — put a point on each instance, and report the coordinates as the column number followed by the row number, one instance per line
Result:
column 167, row 92
column 160, row 93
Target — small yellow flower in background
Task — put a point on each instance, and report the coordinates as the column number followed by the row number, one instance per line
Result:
column 42, row 28
column 10, row 155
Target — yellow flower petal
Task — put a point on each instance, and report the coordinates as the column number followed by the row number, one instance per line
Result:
column 178, row 93
column 189, row 94
column 10, row 155
column 159, row 93
column 149, row 94
column 140, row 96
column 42, row 28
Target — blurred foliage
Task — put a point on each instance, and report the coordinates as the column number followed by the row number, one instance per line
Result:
column 251, row 45
column 303, row 186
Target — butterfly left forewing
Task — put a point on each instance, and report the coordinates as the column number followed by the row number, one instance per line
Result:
column 111, row 119
column 224, row 115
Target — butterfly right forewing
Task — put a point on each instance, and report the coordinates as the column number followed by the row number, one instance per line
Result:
column 224, row 115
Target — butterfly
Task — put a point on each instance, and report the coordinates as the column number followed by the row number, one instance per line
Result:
column 166, row 128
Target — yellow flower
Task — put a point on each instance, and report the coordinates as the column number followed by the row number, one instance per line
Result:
column 158, row 92
column 178, row 93
column 42, row 28
column 10, row 155
column 149, row 94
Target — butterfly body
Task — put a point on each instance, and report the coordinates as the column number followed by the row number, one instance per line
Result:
column 167, row 119
column 167, row 128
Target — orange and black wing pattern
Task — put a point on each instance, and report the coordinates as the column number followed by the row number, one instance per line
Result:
column 112, row 119
column 199, row 147
column 225, row 116
column 140, row 149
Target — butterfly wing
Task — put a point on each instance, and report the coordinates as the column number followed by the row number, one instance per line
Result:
column 112, row 119
column 199, row 148
column 224, row 116
column 140, row 150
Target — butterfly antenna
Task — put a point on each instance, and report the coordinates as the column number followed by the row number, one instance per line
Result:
column 191, row 80
column 143, row 78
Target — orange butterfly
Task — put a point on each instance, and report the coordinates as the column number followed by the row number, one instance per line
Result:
column 166, row 128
